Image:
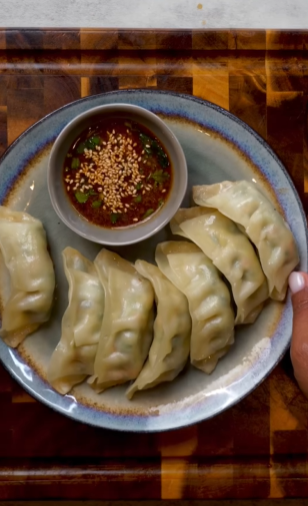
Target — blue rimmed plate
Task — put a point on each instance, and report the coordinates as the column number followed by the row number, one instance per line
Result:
column 217, row 146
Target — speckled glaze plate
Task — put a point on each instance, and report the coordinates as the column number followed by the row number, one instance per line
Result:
column 217, row 146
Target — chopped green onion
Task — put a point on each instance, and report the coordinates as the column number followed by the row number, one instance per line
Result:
column 163, row 159
column 144, row 139
column 93, row 141
column 138, row 199
column 160, row 176
column 96, row 140
column 151, row 146
column 96, row 204
column 81, row 197
column 81, row 148
column 146, row 143
column 161, row 155
column 148, row 213
column 114, row 218
column 75, row 163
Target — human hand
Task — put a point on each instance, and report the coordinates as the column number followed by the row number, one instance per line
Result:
column 298, row 283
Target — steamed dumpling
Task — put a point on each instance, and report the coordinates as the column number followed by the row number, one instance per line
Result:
column 172, row 327
column 73, row 359
column 244, row 203
column 24, row 253
column 231, row 252
column 187, row 267
column 127, row 328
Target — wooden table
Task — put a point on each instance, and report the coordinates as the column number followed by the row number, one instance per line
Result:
column 259, row 447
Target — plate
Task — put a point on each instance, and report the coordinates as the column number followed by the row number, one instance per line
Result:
column 217, row 146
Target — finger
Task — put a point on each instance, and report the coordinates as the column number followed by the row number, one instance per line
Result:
column 298, row 282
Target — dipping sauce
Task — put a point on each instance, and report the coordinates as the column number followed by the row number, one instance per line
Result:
column 117, row 173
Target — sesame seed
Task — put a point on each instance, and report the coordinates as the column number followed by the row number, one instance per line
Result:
column 113, row 170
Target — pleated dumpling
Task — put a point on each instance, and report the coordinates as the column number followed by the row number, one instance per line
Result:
column 24, row 253
column 73, row 359
column 188, row 268
column 231, row 252
column 172, row 328
column 127, row 328
column 245, row 204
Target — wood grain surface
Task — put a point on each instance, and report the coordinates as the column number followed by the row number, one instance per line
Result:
column 257, row 449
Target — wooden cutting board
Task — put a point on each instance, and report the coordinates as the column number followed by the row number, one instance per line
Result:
column 257, row 449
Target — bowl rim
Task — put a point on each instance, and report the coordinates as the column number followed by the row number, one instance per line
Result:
column 181, row 168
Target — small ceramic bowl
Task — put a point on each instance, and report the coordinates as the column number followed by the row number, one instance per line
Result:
column 120, row 236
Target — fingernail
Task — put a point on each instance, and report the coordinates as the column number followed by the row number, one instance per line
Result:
column 296, row 282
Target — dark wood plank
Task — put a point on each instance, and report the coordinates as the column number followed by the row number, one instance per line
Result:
column 285, row 130
column 247, row 100
column 24, row 108
column 38, row 38
column 177, row 40
column 2, row 40
column 59, row 91
column 287, row 71
column 3, row 116
column 247, row 39
column 93, row 39
column 97, row 84
column 79, row 480
column 177, row 84
column 210, row 40
column 285, row 39
column 138, row 39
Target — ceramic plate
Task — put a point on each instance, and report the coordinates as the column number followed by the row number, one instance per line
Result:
column 217, row 146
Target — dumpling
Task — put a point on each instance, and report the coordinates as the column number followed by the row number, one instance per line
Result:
column 24, row 253
column 73, row 359
column 127, row 328
column 187, row 267
column 172, row 327
column 245, row 204
column 231, row 252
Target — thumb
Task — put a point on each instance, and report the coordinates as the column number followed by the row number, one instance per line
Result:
column 298, row 283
